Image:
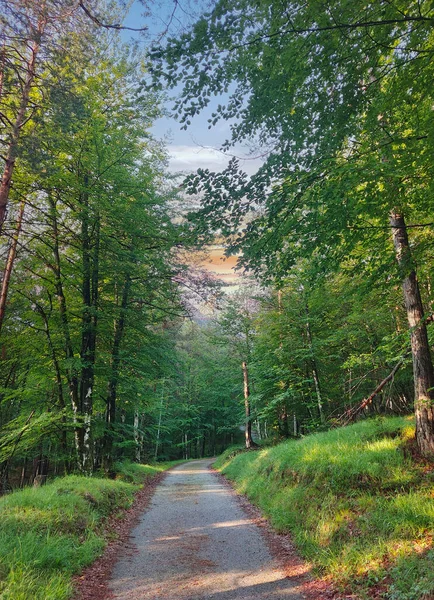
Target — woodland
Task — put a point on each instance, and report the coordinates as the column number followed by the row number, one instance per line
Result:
column 113, row 344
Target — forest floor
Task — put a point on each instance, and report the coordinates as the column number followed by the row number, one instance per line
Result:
column 198, row 539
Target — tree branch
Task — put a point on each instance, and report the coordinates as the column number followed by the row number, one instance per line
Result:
column 116, row 26
column 334, row 27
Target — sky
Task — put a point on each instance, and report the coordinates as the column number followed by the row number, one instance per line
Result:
column 198, row 146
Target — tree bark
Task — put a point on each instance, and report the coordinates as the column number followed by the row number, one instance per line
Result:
column 248, row 433
column 137, row 453
column 69, row 350
column 157, row 441
column 41, row 471
column 90, row 282
column 114, row 377
column 186, row 446
column 423, row 371
column 10, row 263
column 315, row 374
column 59, row 382
column 12, row 149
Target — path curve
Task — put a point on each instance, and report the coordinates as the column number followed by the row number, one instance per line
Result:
column 195, row 542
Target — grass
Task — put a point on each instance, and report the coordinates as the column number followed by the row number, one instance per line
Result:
column 359, row 508
column 137, row 473
column 50, row 533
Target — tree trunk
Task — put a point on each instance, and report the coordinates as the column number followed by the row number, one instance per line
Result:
column 2, row 68
column 41, row 471
column 23, row 473
column 314, row 366
column 114, row 377
column 248, row 433
column 90, row 281
column 12, row 149
column 157, row 441
column 10, row 263
column 285, row 426
column 186, row 446
column 423, row 371
column 137, row 453
column 59, row 383
column 69, row 350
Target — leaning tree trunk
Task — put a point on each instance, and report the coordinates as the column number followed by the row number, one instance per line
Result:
column 20, row 121
column 423, row 371
column 9, row 264
column 249, row 440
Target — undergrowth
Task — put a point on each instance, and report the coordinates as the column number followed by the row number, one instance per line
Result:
column 359, row 508
column 49, row 533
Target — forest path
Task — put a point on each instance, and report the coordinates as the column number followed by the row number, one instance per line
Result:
column 196, row 542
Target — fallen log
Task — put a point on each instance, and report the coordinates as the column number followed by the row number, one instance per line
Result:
column 353, row 412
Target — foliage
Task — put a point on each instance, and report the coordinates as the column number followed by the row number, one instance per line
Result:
column 337, row 99
column 200, row 398
column 324, row 341
column 93, row 285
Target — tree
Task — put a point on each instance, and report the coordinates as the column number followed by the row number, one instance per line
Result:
column 348, row 140
column 94, row 262
column 235, row 327
column 35, row 37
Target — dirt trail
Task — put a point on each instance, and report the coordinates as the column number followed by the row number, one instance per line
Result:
column 196, row 542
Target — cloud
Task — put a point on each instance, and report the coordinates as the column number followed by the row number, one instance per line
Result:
column 190, row 158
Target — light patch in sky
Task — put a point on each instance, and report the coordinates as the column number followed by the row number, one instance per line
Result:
column 186, row 158
column 221, row 266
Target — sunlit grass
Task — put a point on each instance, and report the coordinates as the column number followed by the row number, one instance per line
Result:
column 355, row 503
column 49, row 533
column 138, row 473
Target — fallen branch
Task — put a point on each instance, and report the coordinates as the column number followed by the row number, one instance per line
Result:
column 350, row 414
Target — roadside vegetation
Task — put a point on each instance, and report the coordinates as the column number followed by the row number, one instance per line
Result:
column 359, row 505
column 49, row 533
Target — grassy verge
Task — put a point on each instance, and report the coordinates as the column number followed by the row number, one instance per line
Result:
column 47, row 534
column 360, row 509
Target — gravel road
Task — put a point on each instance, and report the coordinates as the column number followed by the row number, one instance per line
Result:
column 196, row 542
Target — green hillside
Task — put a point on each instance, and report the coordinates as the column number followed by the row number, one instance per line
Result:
column 50, row 533
column 360, row 507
